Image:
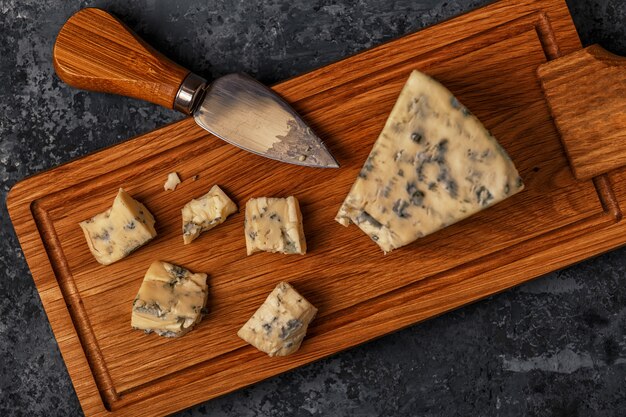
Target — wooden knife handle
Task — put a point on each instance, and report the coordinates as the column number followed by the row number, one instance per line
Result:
column 96, row 51
column 586, row 93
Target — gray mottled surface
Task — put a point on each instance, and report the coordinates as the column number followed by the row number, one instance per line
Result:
column 553, row 347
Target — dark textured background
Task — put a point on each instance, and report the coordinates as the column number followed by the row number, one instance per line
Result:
column 553, row 347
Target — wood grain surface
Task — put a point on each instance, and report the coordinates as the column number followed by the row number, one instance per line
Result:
column 488, row 58
column 97, row 52
column 586, row 92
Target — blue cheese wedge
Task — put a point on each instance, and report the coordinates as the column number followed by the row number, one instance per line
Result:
column 433, row 164
column 206, row 212
column 280, row 324
column 117, row 232
column 274, row 225
column 170, row 301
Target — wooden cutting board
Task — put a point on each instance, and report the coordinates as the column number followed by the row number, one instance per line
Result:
column 488, row 58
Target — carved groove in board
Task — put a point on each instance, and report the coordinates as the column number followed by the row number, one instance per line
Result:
column 483, row 39
column 546, row 36
column 72, row 299
column 607, row 196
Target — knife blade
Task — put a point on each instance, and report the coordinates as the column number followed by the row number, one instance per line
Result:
column 245, row 113
column 95, row 51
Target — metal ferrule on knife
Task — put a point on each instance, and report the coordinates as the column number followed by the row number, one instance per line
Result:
column 190, row 93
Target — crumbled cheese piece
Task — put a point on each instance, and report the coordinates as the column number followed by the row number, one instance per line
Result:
column 433, row 164
column 279, row 325
column 172, row 181
column 274, row 225
column 117, row 232
column 170, row 301
column 205, row 213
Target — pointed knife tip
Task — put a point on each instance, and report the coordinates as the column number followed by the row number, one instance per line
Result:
column 328, row 162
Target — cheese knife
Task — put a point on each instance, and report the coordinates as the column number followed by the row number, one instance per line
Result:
column 95, row 51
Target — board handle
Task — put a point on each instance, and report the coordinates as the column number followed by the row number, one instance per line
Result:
column 97, row 52
column 586, row 93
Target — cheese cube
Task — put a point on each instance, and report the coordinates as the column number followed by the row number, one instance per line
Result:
column 280, row 324
column 117, row 232
column 274, row 225
column 433, row 165
column 205, row 213
column 170, row 301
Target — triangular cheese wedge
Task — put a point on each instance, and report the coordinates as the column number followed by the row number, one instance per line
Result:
column 433, row 164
